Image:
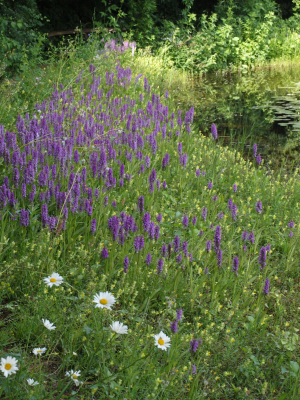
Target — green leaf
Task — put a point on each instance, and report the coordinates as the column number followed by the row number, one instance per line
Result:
column 294, row 366
column 284, row 370
column 254, row 359
column 87, row 329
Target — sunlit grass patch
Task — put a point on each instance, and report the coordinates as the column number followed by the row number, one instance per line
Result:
column 131, row 233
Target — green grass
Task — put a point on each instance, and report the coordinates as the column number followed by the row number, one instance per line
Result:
column 250, row 340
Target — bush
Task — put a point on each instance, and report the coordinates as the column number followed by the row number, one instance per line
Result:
column 235, row 36
column 20, row 41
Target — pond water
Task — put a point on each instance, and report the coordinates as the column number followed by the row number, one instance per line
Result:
column 261, row 106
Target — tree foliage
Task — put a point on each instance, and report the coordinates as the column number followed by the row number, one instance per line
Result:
column 23, row 29
column 20, row 38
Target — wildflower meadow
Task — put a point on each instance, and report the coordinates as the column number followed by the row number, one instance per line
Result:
column 141, row 259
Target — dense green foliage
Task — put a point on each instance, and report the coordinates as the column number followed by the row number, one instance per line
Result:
column 248, row 33
column 249, row 345
column 197, row 36
column 20, row 39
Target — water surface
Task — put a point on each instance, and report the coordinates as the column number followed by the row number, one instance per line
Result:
column 261, row 106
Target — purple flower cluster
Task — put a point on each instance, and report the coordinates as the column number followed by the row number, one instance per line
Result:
column 233, row 208
column 258, row 207
column 126, row 264
column 104, row 253
column 208, row 246
column 217, row 238
column 148, row 259
column 138, row 243
column 93, row 226
column 291, row 225
column 160, row 264
column 254, row 150
column 235, row 265
column 48, row 159
column 258, row 159
column 165, row 161
column 174, row 324
column 185, row 221
column 214, row 132
column 24, row 218
column 141, row 204
column 217, row 245
column 266, row 288
column 73, row 156
column 194, row 344
column 204, row 213
column 183, row 159
column 262, row 257
column 248, row 236
column 176, row 244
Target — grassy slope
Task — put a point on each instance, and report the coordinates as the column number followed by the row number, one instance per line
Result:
column 249, row 339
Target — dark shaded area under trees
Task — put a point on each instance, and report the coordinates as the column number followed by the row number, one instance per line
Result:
column 71, row 13
column 24, row 23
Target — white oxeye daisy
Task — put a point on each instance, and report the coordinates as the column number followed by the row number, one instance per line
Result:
column 39, row 351
column 104, row 300
column 162, row 341
column 74, row 376
column 48, row 324
column 9, row 365
column 118, row 327
column 31, row 382
column 54, row 279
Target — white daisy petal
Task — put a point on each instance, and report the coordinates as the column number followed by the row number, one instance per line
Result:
column 48, row 324
column 8, row 366
column 31, row 382
column 54, row 279
column 162, row 341
column 104, row 300
column 74, row 376
column 39, row 351
column 118, row 327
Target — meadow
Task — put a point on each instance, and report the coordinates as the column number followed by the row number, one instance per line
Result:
column 140, row 259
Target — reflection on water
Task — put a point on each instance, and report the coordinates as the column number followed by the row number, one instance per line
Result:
column 261, row 106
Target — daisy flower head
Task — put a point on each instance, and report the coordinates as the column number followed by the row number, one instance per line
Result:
column 74, row 376
column 104, row 300
column 32, row 382
column 39, row 351
column 162, row 341
column 118, row 327
column 8, row 366
column 48, row 324
column 54, row 279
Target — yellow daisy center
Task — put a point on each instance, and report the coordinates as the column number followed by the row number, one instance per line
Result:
column 7, row 366
column 75, row 376
column 39, row 351
column 103, row 301
column 161, row 342
column 52, row 280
